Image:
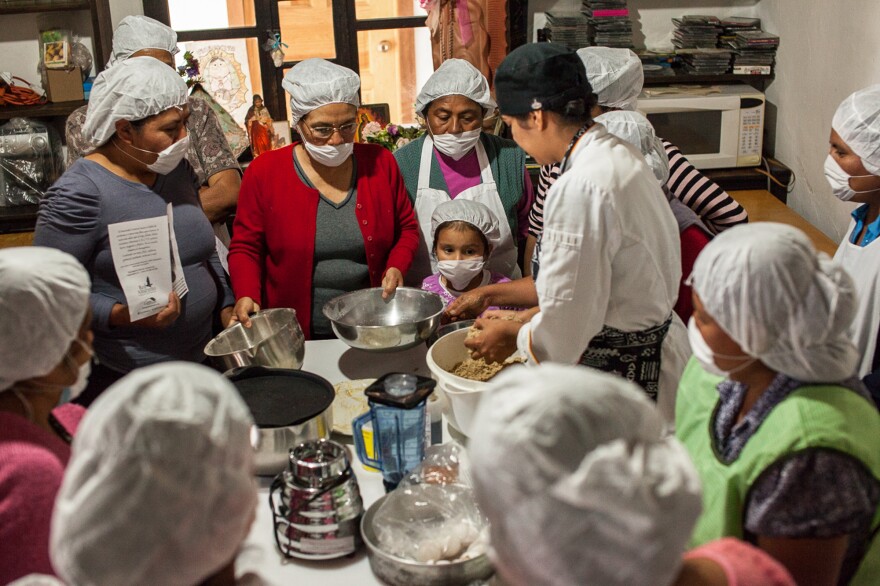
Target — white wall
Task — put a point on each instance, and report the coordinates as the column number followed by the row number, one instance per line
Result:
column 19, row 49
column 825, row 54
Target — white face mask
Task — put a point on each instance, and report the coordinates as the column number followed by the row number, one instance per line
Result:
column 328, row 155
column 82, row 380
column 459, row 273
column 704, row 355
column 456, row 145
column 839, row 180
column 168, row 159
column 82, row 375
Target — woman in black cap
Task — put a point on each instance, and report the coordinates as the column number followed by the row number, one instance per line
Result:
column 607, row 267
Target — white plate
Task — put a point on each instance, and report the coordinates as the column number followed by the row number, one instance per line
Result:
column 350, row 403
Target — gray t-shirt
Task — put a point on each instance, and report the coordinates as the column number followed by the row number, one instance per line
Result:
column 340, row 257
column 74, row 216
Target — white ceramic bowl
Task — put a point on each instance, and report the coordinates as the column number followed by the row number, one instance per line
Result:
column 462, row 394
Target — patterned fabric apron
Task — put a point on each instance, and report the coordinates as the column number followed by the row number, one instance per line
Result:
column 634, row 356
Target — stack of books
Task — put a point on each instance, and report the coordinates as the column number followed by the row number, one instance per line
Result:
column 569, row 29
column 609, row 23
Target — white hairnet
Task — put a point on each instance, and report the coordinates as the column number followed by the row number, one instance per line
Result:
column 44, row 297
column 579, row 485
column 857, row 121
column 136, row 33
column 315, row 82
column 131, row 90
column 472, row 212
column 636, row 130
column 616, row 75
column 159, row 488
column 37, row 580
column 456, row 77
column 782, row 303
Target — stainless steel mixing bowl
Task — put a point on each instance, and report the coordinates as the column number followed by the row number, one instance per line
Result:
column 274, row 339
column 363, row 320
column 402, row 572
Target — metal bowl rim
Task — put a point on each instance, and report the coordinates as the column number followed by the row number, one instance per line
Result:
column 238, row 325
column 361, row 291
column 373, row 548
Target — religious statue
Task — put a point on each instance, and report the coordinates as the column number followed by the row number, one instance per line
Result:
column 259, row 127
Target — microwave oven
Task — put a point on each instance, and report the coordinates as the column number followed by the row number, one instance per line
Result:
column 713, row 130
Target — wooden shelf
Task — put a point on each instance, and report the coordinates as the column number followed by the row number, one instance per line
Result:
column 18, row 218
column 40, row 111
column 28, row 7
column 652, row 78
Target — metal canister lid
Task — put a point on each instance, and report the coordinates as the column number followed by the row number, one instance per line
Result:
column 315, row 463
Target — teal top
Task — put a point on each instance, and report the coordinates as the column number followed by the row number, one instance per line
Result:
column 858, row 215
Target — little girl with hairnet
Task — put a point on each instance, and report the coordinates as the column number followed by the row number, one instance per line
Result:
column 582, row 486
column 784, row 436
column 465, row 235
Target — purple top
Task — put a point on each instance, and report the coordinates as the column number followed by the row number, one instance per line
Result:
column 434, row 285
column 465, row 173
column 32, row 463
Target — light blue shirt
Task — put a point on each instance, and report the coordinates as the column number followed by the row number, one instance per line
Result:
column 873, row 230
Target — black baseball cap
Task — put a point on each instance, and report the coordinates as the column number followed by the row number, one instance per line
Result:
column 538, row 76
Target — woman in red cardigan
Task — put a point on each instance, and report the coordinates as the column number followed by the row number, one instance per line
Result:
column 323, row 216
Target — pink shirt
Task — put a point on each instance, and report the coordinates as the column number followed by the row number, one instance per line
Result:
column 434, row 285
column 743, row 564
column 465, row 173
column 32, row 463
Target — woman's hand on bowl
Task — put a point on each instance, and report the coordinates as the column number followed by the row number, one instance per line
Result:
column 391, row 281
column 496, row 340
column 227, row 316
column 242, row 311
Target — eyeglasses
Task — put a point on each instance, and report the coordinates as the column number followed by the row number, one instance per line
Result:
column 325, row 132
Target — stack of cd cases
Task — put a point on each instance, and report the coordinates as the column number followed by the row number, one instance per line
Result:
column 696, row 32
column 609, row 23
column 569, row 29
column 705, row 61
column 755, row 52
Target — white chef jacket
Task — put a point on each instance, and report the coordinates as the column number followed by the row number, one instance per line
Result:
column 863, row 265
column 610, row 255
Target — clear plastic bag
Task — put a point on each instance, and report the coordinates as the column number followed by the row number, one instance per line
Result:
column 30, row 161
column 433, row 517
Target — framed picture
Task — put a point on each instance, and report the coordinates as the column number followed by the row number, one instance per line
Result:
column 371, row 113
column 282, row 133
column 55, row 54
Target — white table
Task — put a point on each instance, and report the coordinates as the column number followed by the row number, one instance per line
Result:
column 335, row 361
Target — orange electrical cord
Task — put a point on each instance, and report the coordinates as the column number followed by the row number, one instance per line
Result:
column 16, row 95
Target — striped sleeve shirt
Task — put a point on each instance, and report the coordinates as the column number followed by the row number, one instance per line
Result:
column 712, row 204
column 715, row 207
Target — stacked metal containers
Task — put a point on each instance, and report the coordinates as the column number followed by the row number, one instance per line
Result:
column 316, row 503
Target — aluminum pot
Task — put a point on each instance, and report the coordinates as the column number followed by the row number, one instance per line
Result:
column 289, row 407
column 398, row 571
column 274, row 339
